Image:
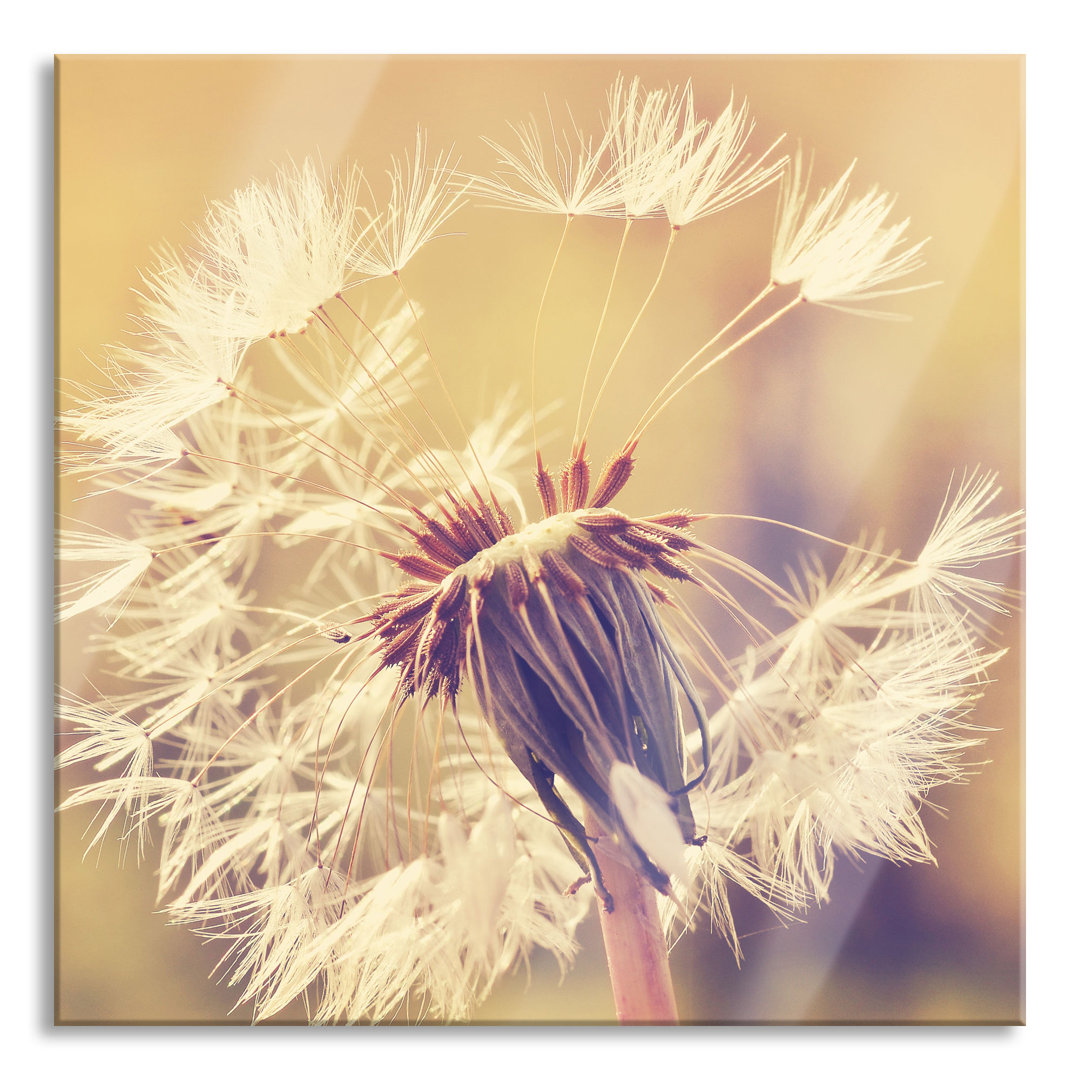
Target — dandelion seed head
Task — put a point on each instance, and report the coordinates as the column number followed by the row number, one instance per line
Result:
column 541, row 621
column 372, row 689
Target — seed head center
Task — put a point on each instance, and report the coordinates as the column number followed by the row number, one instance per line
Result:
column 551, row 534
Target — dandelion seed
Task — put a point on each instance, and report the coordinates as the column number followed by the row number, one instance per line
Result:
column 132, row 560
column 154, row 389
column 964, row 536
column 839, row 252
column 577, row 185
column 422, row 198
column 712, row 173
column 263, row 261
column 648, row 144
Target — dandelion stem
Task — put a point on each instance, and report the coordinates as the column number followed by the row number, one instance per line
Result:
column 634, row 941
column 599, row 328
column 446, row 393
column 633, row 326
column 657, row 410
column 536, row 328
column 646, row 419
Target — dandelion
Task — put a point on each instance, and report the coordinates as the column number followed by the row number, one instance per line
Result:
column 398, row 721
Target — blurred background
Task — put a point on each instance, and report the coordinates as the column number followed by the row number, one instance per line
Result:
column 829, row 421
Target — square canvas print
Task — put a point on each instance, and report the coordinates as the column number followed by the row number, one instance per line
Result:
column 540, row 540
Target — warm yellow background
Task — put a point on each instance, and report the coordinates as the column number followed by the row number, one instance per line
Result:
column 833, row 422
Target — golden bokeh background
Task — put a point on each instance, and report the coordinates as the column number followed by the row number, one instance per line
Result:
column 829, row 421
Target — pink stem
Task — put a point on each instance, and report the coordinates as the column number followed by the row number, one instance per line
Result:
column 636, row 950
